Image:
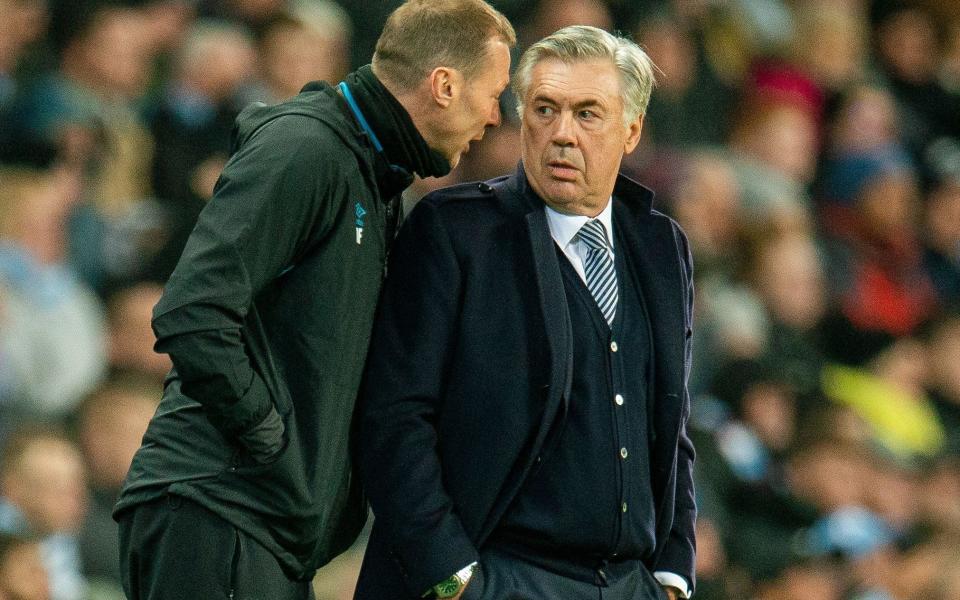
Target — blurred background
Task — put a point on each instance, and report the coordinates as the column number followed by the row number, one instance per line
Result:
column 809, row 148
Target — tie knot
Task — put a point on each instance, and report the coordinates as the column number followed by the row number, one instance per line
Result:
column 594, row 234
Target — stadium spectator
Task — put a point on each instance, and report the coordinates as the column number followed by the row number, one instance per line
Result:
column 85, row 107
column 22, row 22
column 52, row 339
column 871, row 224
column 941, row 220
column 43, row 489
column 943, row 383
column 908, row 50
column 191, row 127
column 788, row 277
column 22, row 574
column 131, row 339
column 307, row 44
column 692, row 104
column 111, row 425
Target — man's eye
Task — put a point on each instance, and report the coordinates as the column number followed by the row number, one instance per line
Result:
column 544, row 110
column 587, row 115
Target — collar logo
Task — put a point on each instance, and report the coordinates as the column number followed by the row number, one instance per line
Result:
column 360, row 213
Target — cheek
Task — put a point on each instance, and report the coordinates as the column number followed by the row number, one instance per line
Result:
column 531, row 143
column 601, row 154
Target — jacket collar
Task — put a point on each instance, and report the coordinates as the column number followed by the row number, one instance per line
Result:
column 523, row 198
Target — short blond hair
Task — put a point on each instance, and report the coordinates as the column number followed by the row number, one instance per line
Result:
column 582, row 42
column 422, row 35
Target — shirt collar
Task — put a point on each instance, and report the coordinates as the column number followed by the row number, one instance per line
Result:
column 564, row 228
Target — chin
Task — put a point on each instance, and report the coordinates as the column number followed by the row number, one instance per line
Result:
column 569, row 201
column 563, row 204
column 563, row 193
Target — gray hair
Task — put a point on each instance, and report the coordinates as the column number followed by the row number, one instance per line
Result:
column 205, row 37
column 325, row 18
column 582, row 42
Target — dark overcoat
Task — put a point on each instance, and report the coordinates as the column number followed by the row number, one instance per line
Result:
column 470, row 369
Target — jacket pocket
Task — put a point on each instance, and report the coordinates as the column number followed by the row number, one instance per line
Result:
column 244, row 464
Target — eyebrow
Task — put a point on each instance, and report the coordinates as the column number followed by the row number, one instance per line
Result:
column 546, row 99
column 576, row 106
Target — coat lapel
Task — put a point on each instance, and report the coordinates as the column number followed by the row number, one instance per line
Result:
column 513, row 192
column 553, row 303
column 556, row 318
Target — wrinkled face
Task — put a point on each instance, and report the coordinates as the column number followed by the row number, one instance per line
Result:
column 477, row 107
column 572, row 134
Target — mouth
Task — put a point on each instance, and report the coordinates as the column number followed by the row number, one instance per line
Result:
column 563, row 170
column 475, row 139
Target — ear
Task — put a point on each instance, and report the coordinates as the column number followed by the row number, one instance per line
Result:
column 443, row 85
column 633, row 135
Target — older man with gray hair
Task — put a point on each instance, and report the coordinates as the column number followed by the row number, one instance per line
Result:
column 523, row 425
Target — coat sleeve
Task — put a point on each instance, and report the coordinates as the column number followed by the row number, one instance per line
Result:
column 679, row 553
column 276, row 196
column 413, row 338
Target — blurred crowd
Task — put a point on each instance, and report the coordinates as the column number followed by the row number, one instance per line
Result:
column 809, row 148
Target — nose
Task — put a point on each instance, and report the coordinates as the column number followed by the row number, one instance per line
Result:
column 494, row 120
column 563, row 133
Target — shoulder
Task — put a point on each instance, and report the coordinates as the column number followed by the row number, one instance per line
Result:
column 680, row 240
column 290, row 133
column 469, row 214
column 466, row 203
column 295, row 146
column 636, row 208
column 478, row 193
column 667, row 221
column 310, row 121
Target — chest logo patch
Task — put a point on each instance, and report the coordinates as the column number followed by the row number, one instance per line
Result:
column 360, row 213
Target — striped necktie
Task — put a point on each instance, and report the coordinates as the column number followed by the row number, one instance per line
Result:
column 598, row 267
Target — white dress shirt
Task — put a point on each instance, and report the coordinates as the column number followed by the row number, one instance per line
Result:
column 564, row 229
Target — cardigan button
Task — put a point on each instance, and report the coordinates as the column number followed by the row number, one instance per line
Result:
column 618, row 399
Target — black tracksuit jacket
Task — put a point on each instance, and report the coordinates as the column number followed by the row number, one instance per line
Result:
column 271, row 306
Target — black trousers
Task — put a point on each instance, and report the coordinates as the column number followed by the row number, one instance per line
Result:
column 174, row 549
column 505, row 577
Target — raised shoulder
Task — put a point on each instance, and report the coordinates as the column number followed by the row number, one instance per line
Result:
column 476, row 191
column 471, row 215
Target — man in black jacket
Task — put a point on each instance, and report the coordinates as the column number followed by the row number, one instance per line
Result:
column 243, row 486
column 523, row 420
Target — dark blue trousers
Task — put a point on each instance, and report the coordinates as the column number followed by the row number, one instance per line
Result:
column 505, row 577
